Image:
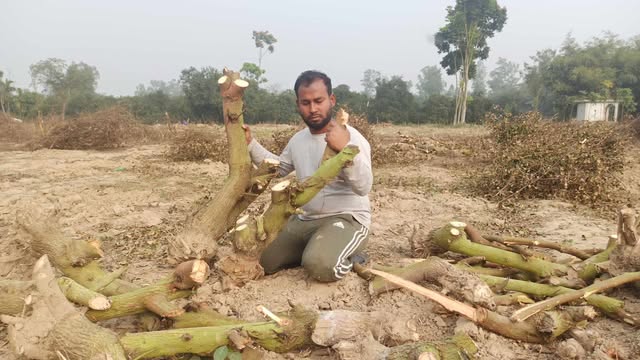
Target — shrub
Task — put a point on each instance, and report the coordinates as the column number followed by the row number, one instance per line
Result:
column 528, row 157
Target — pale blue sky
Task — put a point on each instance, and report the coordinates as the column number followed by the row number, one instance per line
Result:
column 133, row 42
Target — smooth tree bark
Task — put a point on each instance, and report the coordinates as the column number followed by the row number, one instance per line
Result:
column 198, row 239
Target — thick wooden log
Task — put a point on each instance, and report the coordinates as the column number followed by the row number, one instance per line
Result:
column 211, row 221
column 76, row 259
column 156, row 298
column 55, row 327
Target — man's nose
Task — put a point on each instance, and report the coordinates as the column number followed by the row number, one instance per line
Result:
column 313, row 107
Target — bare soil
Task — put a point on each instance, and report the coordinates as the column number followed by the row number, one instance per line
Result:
column 134, row 199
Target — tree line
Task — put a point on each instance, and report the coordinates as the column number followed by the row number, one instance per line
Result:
column 605, row 67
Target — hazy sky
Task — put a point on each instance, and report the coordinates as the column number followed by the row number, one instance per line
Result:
column 132, row 42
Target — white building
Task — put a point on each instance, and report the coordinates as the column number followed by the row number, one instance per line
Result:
column 605, row 110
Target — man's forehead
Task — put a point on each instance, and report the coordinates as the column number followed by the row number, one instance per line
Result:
column 314, row 89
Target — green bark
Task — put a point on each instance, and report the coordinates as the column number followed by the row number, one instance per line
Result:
column 459, row 243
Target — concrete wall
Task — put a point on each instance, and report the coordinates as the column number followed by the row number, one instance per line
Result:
column 596, row 111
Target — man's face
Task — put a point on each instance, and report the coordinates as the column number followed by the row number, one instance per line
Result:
column 314, row 105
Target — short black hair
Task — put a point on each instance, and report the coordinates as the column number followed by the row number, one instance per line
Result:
column 309, row 76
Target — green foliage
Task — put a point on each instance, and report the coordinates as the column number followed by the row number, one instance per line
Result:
column 437, row 109
column 479, row 84
column 72, row 87
column 262, row 39
column 430, row 82
column 393, row 102
column 507, row 90
column 202, row 94
column 603, row 68
column 253, row 72
column 6, row 93
column 25, row 104
column 172, row 88
column 266, row 106
column 354, row 101
column 468, row 26
column 463, row 40
column 370, row 81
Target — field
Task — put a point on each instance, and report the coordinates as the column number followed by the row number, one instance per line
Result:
column 134, row 199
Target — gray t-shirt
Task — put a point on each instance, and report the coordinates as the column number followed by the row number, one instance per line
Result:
column 348, row 194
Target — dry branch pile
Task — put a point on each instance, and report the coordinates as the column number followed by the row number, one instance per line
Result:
column 360, row 123
column 528, row 157
column 408, row 150
column 102, row 130
column 280, row 139
column 503, row 264
column 196, row 144
column 14, row 131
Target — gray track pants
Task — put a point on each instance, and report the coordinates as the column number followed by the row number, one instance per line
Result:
column 322, row 246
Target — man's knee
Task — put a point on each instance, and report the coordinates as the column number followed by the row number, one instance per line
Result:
column 322, row 269
column 269, row 263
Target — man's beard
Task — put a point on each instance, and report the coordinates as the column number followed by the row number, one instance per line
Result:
column 318, row 126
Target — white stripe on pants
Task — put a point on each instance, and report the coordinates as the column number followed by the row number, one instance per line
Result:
column 340, row 269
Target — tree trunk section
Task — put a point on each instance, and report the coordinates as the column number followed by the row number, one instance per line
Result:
column 210, row 222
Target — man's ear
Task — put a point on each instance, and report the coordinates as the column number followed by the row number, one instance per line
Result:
column 332, row 98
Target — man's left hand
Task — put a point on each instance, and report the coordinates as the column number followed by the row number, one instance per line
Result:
column 337, row 136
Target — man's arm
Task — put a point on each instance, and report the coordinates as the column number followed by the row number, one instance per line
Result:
column 259, row 153
column 359, row 175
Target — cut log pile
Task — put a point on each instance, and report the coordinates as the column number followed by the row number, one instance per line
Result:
column 497, row 271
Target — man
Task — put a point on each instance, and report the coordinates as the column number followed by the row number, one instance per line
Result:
column 334, row 227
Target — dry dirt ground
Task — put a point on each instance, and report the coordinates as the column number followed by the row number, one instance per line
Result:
column 134, row 200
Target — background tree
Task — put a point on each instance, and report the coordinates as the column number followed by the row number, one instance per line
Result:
column 153, row 102
column 356, row 102
column 202, row 95
column 479, row 83
column 464, row 39
column 370, row 82
column 393, row 102
column 430, row 82
column 603, row 68
column 26, row 104
column 65, row 83
column 253, row 72
column 264, row 41
column 506, row 87
column 6, row 93
column 171, row 88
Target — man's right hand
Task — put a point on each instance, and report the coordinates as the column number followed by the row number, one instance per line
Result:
column 247, row 133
